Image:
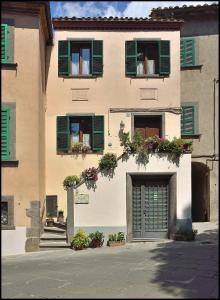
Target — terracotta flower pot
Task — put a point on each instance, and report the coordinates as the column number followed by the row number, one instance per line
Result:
column 116, row 243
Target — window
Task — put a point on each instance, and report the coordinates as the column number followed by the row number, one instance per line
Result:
column 4, row 43
column 147, row 58
column 5, row 133
column 80, row 58
column 148, row 125
column 7, row 212
column 188, row 120
column 187, row 51
column 88, row 130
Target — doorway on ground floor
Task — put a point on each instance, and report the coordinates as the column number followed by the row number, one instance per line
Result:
column 151, row 205
column 200, row 192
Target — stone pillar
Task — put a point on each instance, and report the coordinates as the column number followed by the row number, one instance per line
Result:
column 70, row 214
column 33, row 232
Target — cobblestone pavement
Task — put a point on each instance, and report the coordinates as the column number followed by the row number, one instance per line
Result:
column 162, row 269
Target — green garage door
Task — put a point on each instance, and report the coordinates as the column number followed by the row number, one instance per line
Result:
column 150, row 208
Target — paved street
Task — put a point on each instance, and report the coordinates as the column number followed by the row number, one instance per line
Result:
column 164, row 269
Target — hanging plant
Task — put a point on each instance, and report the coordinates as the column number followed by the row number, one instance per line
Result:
column 108, row 162
column 69, row 181
column 90, row 174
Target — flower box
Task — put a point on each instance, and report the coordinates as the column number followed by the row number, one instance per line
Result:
column 116, row 243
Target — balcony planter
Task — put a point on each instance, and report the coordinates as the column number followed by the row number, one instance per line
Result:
column 50, row 222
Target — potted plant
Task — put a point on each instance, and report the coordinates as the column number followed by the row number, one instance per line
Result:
column 97, row 239
column 108, row 162
column 116, row 239
column 184, row 235
column 80, row 240
column 152, row 143
column 69, row 181
column 60, row 217
column 50, row 220
column 77, row 147
column 90, row 174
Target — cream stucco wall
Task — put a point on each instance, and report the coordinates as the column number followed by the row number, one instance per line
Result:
column 13, row 241
column 107, row 204
column 112, row 90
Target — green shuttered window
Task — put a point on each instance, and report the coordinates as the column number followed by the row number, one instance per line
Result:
column 69, row 50
column 5, row 133
column 153, row 55
column 4, row 43
column 188, row 120
column 187, row 52
column 96, row 123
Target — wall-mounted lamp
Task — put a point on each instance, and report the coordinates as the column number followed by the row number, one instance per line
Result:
column 122, row 125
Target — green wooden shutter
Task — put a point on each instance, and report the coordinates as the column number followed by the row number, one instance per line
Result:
column 98, row 133
column 97, row 58
column 187, row 50
column 63, row 134
column 64, row 57
column 188, row 120
column 131, row 58
column 164, row 50
column 4, row 43
column 5, row 133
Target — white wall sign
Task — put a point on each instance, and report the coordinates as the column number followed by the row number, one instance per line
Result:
column 82, row 198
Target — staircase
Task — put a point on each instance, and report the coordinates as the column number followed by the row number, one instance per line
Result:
column 54, row 238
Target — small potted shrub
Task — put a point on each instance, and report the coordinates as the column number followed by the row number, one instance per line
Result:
column 116, row 239
column 69, row 181
column 50, row 220
column 184, row 235
column 97, row 239
column 80, row 240
column 152, row 143
column 77, row 147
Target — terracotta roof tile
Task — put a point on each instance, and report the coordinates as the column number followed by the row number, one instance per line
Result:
column 125, row 19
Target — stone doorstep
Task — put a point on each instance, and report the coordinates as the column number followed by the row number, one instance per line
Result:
column 54, row 230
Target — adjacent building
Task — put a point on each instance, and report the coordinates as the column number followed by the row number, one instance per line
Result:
column 200, row 101
column 105, row 74
column 26, row 37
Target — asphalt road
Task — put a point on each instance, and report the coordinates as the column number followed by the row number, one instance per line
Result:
column 164, row 269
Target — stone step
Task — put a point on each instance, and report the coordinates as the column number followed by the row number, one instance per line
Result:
column 60, row 225
column 53, row 244
column 54, row 230
column 52, row 236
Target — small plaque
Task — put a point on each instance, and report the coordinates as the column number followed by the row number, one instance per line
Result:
column 81, row 198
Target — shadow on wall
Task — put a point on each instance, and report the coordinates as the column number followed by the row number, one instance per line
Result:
column 188, row 269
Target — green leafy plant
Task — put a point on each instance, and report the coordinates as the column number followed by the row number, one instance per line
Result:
column 80, row 240
column 112, row 237
column 90, row 174
column 97, row 239
column 69, row 181
column 108, row 162
column 152, row 143
column 120, row 236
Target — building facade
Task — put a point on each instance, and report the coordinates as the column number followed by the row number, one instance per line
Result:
column 106, row 74
column 26, row 30
column 200, row 101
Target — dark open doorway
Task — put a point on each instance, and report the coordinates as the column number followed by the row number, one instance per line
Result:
column 200, row 192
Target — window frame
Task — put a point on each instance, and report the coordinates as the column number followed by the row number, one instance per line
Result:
column 184, row 40
column 79, row 46
column 10, row 201
column 195, row 122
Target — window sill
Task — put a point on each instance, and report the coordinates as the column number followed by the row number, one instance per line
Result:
column 80, row 76
column 9, row 66
column 10, row 163
column 80, row 153
column 191, row 136
column 7, row 227
column 196, row 67
column 148, row 76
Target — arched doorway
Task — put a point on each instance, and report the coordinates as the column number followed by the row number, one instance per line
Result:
column 200, row 192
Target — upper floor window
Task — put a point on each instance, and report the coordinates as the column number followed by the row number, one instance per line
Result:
column 187, row 52
column 80, row 58
column 87, row 130
column 188, row 120
column 4, row 43
column 5, row 133
column 7, row 41
column 147, row 58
